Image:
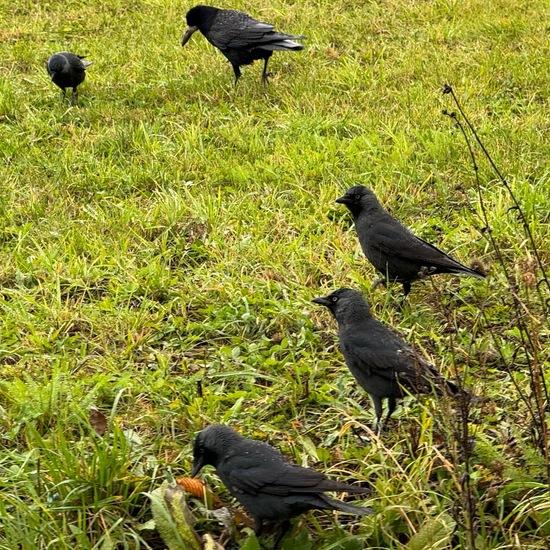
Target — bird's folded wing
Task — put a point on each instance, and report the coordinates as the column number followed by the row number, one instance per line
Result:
column 282, row 480
column 398, row 241
column 420, row 375
column 246, row 34
column 382, row 353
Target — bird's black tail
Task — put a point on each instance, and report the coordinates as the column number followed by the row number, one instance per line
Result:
column 463, row 270
column 334, row 504
column 280, row 41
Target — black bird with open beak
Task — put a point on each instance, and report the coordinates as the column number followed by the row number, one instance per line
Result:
column 241, row 38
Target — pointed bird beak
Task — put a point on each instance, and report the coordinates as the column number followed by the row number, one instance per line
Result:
column 343, row 200
column 187, row 34
column 322, row 300
column 198, row 463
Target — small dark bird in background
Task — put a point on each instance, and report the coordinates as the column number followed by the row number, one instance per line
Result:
column 391, row 248
column 384, row 365
column 241, row 38
column 67, row 70
column 264, row 482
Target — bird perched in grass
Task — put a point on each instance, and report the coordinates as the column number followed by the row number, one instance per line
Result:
column 241, row 38
column 67, row 70
column 391, row 248
column 384, row 365
column 264, row 482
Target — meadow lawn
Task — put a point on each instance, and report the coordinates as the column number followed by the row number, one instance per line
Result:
column 160, row 244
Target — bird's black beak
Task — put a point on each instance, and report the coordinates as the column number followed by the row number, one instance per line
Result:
column 198, row 463
column 322, row 300
column 187, row 34
column 343, row 200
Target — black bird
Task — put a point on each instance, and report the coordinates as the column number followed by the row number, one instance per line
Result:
column 67, row 70
column 241, row 38
column 384, row 365
column 264, row 482
column 391, row 248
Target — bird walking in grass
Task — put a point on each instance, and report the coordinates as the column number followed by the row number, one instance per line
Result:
column 270, row 487
column 383, row 364
column 67, row 70
column 391, row 248
column 241, row 38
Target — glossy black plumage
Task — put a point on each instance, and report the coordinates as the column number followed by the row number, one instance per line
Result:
column 264, row 482
column 241, row 38
column 67, row 70
column 383, row 364
column 391, row 248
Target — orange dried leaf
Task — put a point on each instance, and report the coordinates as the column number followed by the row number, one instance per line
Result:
column 296, row 424
column 191, row 485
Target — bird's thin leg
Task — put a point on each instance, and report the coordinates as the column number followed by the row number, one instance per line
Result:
column 406, row 287
column 257, row 526
column 378, row 411
column 63, row 94
column 74, row 97
column 285, row 526
column 237, row 72
column 265, row 74
column 392, row 403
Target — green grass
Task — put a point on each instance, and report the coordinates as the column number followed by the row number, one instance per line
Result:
column 172, row 229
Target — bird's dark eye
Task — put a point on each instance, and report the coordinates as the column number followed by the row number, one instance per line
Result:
column 335, row 298
column 358, row 197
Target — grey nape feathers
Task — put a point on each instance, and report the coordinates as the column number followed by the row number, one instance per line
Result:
column 383, row 364
column 67, row 70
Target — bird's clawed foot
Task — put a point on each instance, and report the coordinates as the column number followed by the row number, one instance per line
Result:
column 380, row 427
column 265, row 78
column 285, row 526
column 363, row 436
column 426, row 271
column 379, row 282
